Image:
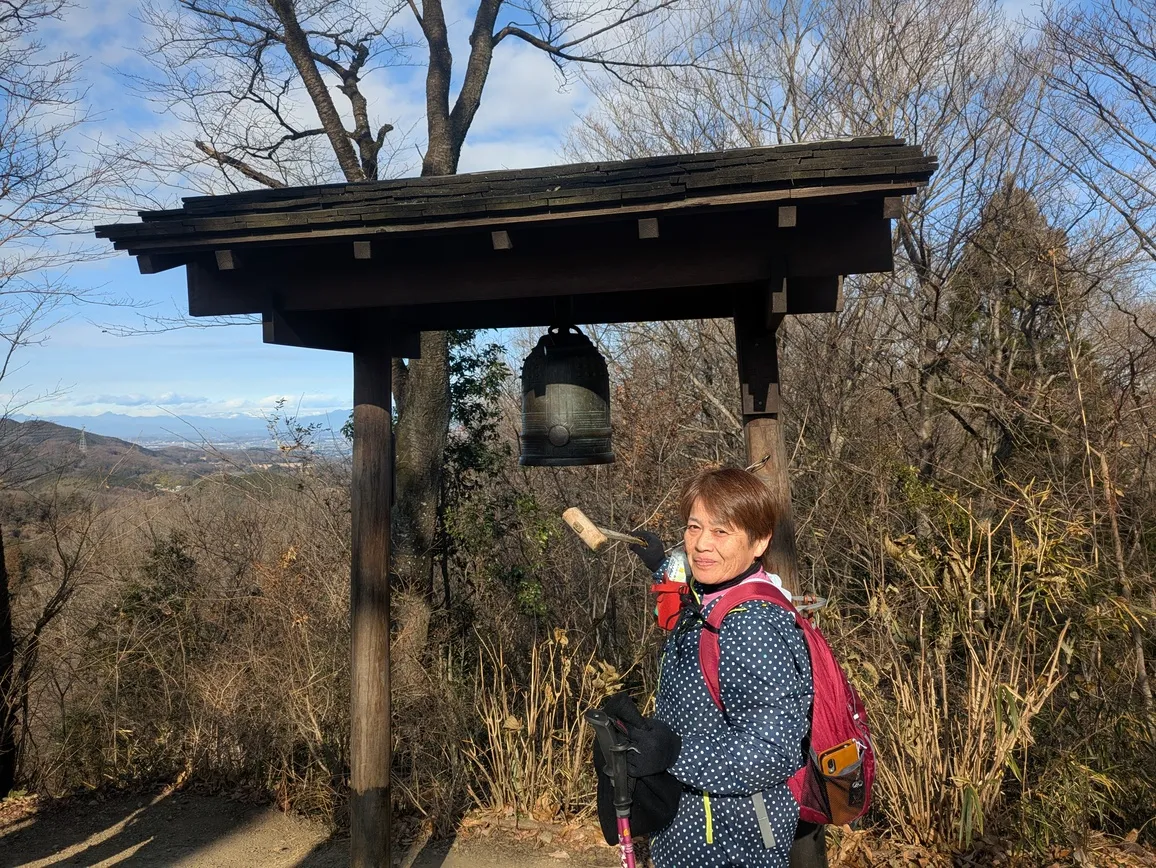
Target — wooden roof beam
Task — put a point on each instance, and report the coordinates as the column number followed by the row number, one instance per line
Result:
column 342, row 331
column 799, row 295
column 155, row 263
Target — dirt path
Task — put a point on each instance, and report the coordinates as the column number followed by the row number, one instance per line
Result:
column 192, row 831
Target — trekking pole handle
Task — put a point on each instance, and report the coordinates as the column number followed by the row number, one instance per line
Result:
column 614, row 745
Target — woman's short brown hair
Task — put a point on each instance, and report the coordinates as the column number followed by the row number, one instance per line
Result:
column 733, row 496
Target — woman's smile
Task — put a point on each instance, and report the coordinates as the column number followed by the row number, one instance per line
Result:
column 717, row 550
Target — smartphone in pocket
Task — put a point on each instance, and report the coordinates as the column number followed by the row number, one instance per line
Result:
column 834, row 761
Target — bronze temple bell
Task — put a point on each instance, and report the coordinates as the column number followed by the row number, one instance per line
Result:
column 565, row 402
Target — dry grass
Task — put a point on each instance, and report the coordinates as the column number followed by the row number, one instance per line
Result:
column 963, row 678
column 534, row 756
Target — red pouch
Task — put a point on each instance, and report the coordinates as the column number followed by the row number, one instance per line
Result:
column 668, row 601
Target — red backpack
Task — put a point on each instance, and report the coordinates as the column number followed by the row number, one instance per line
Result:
column 834, row 786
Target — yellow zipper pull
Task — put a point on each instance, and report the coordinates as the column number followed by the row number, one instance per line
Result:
column 709, row 819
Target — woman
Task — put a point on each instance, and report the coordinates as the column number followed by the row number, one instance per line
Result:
column 733, row 765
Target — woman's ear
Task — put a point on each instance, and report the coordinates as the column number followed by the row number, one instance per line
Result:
column 761, row 546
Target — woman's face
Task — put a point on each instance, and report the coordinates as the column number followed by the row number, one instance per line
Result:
column 718, row 551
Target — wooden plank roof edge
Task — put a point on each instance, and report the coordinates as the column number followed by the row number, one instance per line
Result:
column 688, row 186
column 498, row 220
column 563, row 169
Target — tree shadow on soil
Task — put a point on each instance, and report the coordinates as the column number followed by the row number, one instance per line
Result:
column 141, row 831
column 334, row 852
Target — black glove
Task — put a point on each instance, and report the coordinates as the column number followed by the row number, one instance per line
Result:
column 653, row 554
column 654, row 747
column 621, row 706
column 655, row 797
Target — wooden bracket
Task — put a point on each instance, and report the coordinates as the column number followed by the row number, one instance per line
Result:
column 318, row 330
column 798, row 295
column 405, row 344
column 758, row 353
column 227, row 260
column 155, row 263
column 853, row 240
column 213, row 293
column 813, row 295
column 342, row 331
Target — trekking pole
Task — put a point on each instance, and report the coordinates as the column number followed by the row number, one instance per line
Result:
column 614, row 745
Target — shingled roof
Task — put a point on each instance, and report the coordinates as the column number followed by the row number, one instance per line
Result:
column 412, row 205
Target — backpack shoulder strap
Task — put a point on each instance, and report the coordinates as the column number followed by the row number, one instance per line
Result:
column 708, row 647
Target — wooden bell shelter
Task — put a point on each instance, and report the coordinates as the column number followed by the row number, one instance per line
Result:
column 754, row 234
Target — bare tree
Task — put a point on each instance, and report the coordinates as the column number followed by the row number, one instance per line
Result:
column 279, row 93
column 1010, row 340
column 47, row 187
column 937, row 72
column 1099, row 66
column 44, row 188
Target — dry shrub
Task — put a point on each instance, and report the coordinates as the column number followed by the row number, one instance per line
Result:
column 533, row 758
column 965, row 660
column 204, row 642
column 218, row 655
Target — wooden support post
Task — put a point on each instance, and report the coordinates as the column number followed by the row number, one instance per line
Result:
column 756, row 321
column 764, row 440
column 369, row 742
column 755, row 326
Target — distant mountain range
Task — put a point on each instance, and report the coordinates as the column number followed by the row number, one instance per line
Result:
column 39, row 452
column 239, row 430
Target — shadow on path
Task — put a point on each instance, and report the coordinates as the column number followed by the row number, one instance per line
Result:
column 192, row 831
column 150, row 832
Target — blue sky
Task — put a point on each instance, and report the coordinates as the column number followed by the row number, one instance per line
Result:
column 83, row 369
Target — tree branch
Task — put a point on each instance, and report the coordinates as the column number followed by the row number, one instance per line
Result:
column 242, row 167
column 300, row 52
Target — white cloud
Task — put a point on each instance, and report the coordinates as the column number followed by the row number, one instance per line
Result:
column 168, row 399
column 141, row 405
column 510, row 153
column 525, row 91
column 103, row 31
column 304, row 402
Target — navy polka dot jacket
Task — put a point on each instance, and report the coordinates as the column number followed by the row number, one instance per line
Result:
column 766, row 689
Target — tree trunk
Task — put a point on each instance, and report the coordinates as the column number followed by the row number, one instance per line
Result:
column 8, row 705
column 422, row 426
